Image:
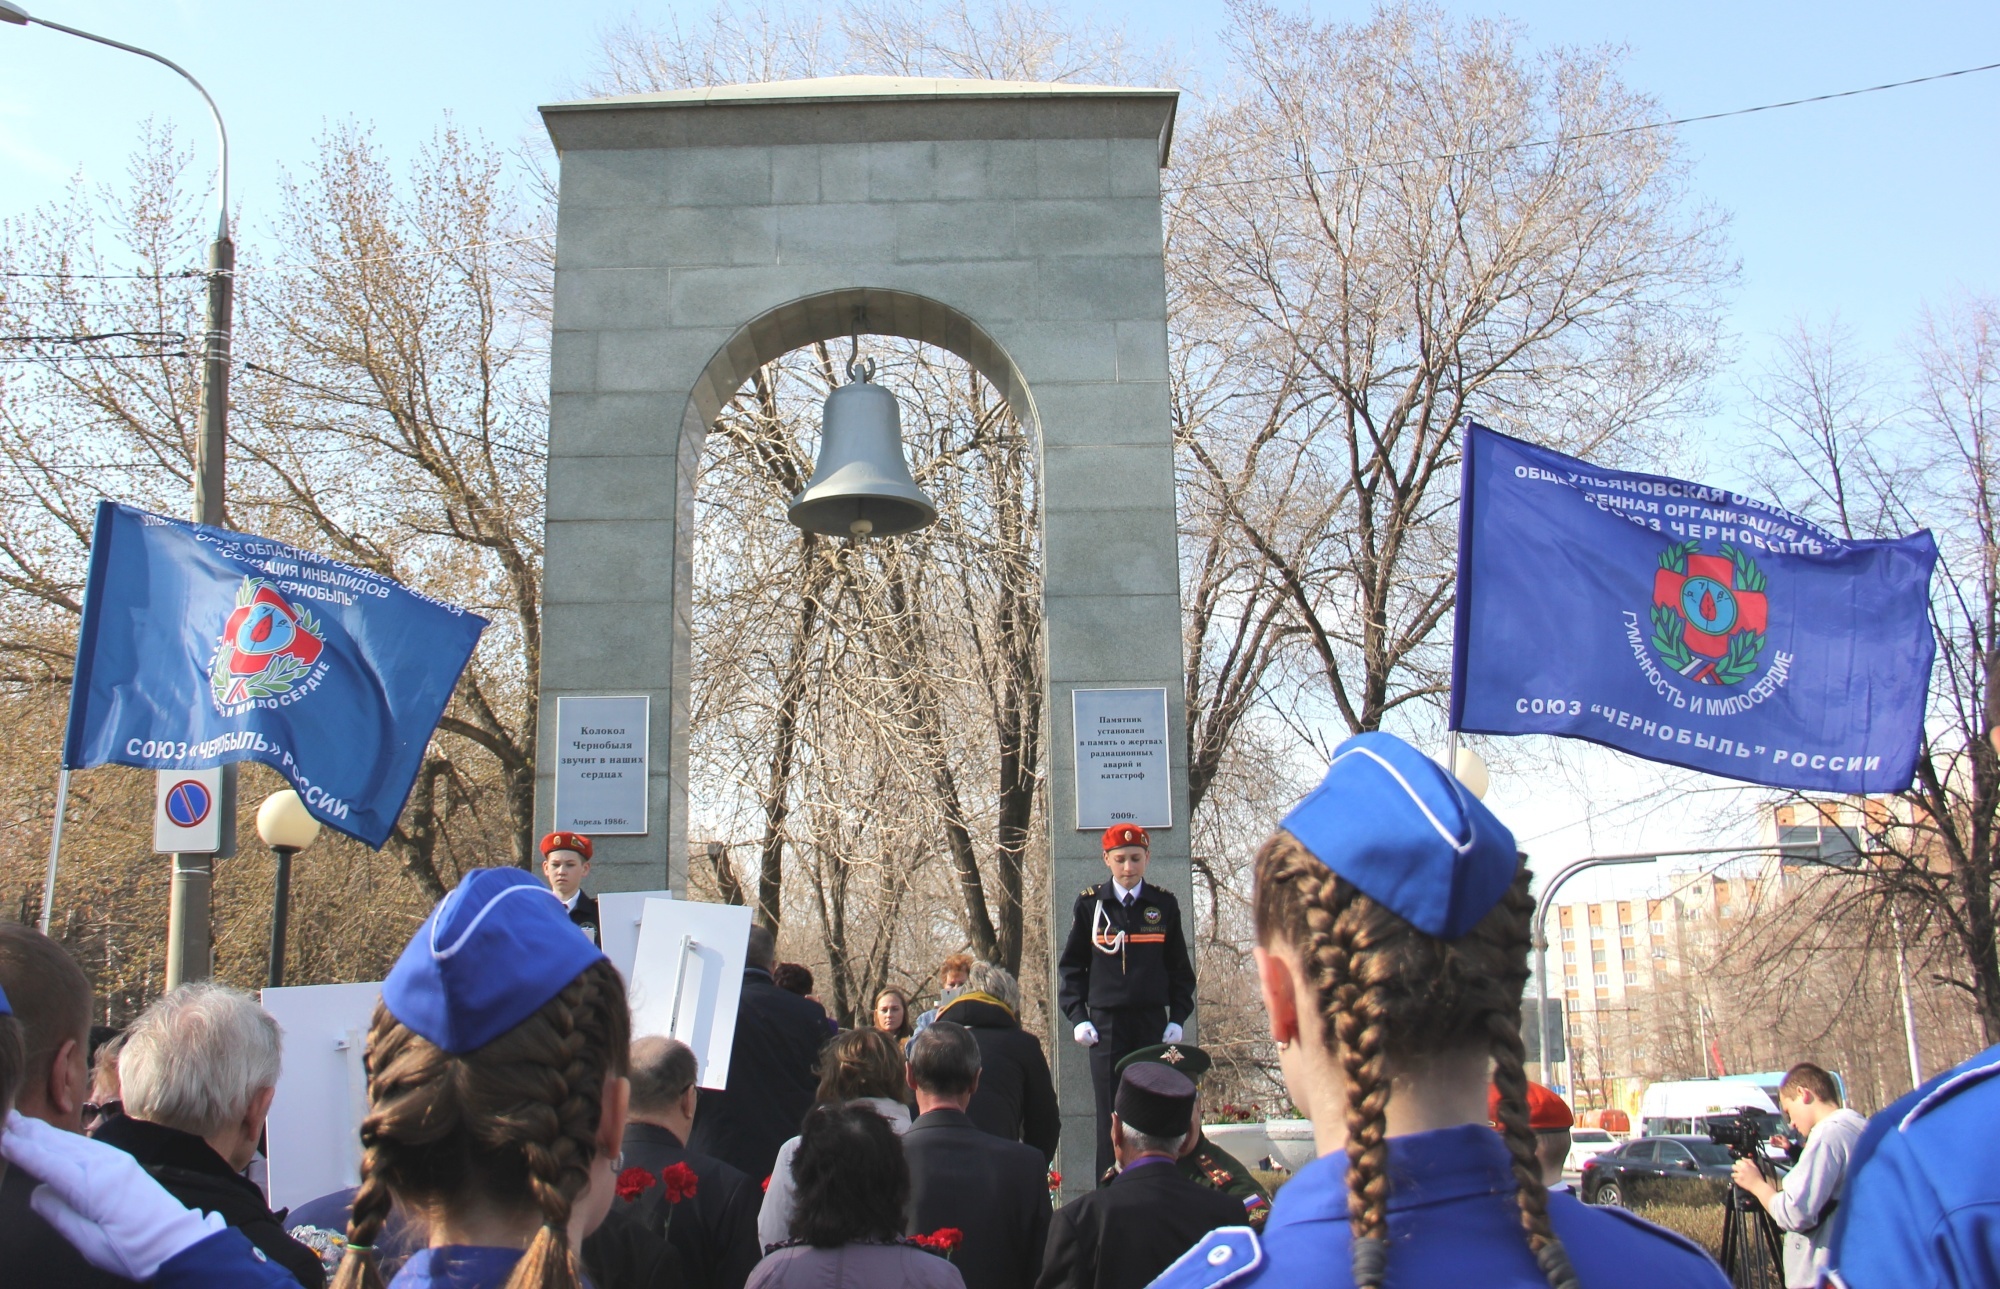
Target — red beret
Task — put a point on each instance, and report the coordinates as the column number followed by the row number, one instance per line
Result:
column 1126, row 835
column 1547, row 1112
column 575, row 841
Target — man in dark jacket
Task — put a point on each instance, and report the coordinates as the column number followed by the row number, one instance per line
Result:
column 994, row 1192
column 198, row 1072
column 1123, row 1236
column 714, row 1228
column 771, row 1070
column 1016, row 1098
column 51, row 1000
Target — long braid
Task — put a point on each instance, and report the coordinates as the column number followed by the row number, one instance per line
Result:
column 556, row 1136
column 1361, row 1026
column 401, row 1106
column 1503, row 1027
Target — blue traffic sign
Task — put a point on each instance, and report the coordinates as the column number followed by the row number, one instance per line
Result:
column 188, row 803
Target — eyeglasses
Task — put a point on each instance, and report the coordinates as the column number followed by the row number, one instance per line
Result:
column 96, row 1112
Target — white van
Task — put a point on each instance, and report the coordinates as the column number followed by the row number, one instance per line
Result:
column 1679, row 1107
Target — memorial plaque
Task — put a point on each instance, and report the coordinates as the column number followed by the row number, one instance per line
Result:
column 601, row 764
column 1121, row 758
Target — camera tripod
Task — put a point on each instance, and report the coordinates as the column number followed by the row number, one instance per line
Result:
column 1753, row 1252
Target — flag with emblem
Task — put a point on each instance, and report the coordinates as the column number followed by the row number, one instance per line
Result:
column 200, row 646
column 1685, row 623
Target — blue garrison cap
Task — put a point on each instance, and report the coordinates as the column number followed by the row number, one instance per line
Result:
column 1407, row 834
column 487, row 958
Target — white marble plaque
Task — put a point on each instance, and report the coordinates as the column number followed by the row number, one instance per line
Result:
column 601, row 765
column 1121, row 758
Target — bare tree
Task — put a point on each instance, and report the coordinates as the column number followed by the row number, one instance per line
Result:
column 1373, row 232
column 1870, row 458
column 387, row 409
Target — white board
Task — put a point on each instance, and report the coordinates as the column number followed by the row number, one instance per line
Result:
column 1121, row 758
column 601, row 751
column 314, row 1130
column 618, row 916
column 186, row 817
column 687, row 979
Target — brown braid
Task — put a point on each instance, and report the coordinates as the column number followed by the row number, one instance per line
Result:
column 512, row 1124
column 1391, row 998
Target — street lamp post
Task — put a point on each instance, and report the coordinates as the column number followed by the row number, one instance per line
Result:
column 188, row 948
column 1540, row 940
column 287, row 827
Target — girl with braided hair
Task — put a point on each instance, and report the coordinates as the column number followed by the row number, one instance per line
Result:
column 1392, row 918
column 496, row 1094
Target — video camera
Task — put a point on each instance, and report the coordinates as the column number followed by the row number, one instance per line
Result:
column 1743, row 1133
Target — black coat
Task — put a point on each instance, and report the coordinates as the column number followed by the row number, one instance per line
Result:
column 32, row 1253
column 1151, row 968
column 194, row 1174
column 1016, row 1097
column 584, row 915
column 1123, row 1236
column 771, row 1079
column 715, row 1232
column 996, row 1192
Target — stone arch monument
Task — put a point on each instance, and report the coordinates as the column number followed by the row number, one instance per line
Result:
column 703, row 232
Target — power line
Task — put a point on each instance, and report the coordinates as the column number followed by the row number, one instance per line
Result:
column 1588, row 136
column 106, row 277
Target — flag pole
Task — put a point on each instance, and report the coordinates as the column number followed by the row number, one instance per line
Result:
column 55, row 851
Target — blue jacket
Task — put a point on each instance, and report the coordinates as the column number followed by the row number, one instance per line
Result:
column 225, row 1260
column 1452, row 1223
column 1922, row 1203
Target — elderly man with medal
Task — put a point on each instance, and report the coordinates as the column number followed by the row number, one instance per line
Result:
column 1126, row 979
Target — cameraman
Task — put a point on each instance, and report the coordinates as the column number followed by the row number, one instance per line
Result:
column 1802, row 1205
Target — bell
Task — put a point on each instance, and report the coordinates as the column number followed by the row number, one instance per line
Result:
column 861, row 486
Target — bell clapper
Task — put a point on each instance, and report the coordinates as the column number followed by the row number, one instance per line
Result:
column 861, row 528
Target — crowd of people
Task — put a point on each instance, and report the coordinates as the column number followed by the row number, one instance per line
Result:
column 517, row 1135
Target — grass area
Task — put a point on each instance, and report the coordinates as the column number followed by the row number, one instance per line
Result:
column 1701, row 1223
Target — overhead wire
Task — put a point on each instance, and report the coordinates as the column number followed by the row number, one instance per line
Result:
column 1587, row 136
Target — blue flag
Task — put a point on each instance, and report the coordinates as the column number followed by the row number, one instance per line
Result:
column 202, row 646
column 1686, row 624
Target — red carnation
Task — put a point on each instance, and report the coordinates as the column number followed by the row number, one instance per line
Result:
column 681, row 1181
column 767, row 1186
column 945, row 1240
column 634, row 1182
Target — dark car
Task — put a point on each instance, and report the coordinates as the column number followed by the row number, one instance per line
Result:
column 1657, row 1170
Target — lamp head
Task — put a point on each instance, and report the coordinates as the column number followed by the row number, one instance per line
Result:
column 13, row 13
column 283, row 820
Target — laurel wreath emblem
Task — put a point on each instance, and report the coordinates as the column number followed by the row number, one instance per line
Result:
column 279, row 676
column 1670, row 627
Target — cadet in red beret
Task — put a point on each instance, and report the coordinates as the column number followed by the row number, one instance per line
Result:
column 566, row 862
column 1126, row 979
column 1549, row 1115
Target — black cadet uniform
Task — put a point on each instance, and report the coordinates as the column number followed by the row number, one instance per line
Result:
column 583, row 915
column 1130, row 988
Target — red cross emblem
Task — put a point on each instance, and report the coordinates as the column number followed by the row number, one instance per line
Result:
column 1709, row 613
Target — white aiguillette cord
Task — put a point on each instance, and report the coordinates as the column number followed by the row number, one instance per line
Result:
column 1100, row 922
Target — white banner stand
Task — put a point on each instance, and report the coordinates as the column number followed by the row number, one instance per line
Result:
column 314, row 1130
column 687, row 979
column 618, row 917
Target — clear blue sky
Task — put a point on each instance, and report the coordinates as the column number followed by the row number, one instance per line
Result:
column 1868, row 206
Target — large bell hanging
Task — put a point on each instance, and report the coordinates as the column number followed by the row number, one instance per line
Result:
column 861, row 487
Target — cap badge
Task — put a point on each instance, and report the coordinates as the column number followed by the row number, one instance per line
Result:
column 1173, row 1056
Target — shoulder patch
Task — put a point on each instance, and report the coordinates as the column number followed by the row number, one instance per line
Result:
column 1089, row 893
column 1223, row 1256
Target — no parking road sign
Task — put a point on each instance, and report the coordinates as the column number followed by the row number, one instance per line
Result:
column 185, row 818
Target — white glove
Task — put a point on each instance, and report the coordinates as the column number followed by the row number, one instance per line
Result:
column 1172, row 1034
column 102, row 1200
column 1086, row 1033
